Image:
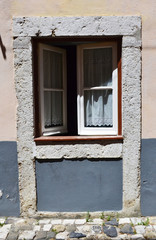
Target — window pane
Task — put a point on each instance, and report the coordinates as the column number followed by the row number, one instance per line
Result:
column 53, row 109
column 98, row 108
column 97, row 64
column 52, row 69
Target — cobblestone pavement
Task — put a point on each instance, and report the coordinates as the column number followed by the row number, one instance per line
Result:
column 84, row 229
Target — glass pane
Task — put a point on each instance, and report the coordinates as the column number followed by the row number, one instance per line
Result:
column 53, row 109
column 98, row 108
column 97, row 64
column 52, row 69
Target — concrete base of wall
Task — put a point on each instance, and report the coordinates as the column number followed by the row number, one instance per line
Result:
column 79, row 185
column 9, row 193
column 148, row 177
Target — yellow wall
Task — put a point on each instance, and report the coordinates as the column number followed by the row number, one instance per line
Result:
column 145, row 8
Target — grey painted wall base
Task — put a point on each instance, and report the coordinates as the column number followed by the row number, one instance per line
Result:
column 79, row 185
column 148, row 177
column 9, row 193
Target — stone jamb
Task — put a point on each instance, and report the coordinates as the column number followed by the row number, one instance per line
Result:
column 129, row 27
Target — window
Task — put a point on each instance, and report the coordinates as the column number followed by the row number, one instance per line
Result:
column 94, row 85
column 53, row 90
column 97, row 89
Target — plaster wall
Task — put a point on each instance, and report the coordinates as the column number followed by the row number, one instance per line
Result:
column 10, row 8
column 143, row 8
column 77, row 8
column 8, row 101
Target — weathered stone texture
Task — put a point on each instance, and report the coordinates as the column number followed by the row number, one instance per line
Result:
column 124, row 231
column 131, row 90
column 79, row 26
column 128, row 27
column 79, row 151
column 24, row 91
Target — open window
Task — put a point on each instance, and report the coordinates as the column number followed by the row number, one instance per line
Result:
column 52, row 72
column 78, row 88
column 97, row 91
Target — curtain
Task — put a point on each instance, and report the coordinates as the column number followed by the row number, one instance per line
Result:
column 53, row 109
column 53, row 94
column 98, row 108
column 98, row 73
column 97, row 67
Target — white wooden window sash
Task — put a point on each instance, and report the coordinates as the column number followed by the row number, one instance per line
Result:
column 97, row 130
column 53, row 98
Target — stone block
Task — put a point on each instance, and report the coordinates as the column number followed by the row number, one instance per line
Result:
column 137, row 237
column 47, row 227
column 140, row 229
column 124, row 220
column 36, row 228
column 127, row 229
column 68, row 221
column 44, row 221
column 27, row 235
column 62, row 235
column 84, row 229
column 71, row 228
column 96, row 221
column 12, row 236
column 40, row 235
column 59, row 26
column 56, row 221
column 110, row 231
column 76, row 235
column 59, row 228
column 80, row 221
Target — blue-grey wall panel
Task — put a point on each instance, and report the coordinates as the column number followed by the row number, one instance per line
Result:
column 79, row 185
column 148, row 177
column 9, row 194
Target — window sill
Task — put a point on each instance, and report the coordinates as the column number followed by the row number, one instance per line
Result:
column 44, row 140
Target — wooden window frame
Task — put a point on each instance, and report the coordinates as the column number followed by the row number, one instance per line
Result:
column 39, row 138
column 63, row 128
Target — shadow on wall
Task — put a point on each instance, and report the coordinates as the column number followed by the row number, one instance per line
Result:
column 3, row 48
column 148, row 177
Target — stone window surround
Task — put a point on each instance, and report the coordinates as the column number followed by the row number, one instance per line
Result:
column 129, row 27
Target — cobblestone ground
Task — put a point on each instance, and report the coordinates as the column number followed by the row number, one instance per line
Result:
column 83, row 229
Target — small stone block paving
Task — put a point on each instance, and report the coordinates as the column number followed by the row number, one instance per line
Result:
column 73, row 229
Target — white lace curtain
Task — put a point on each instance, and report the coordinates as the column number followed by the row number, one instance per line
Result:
column 98, row 73
column 53, row 95
column 98, row 108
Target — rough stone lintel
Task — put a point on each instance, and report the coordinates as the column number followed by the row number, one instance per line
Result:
column 81, row 26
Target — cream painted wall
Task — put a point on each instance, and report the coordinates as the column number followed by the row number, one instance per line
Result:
column 7, row 90
column 145, row 8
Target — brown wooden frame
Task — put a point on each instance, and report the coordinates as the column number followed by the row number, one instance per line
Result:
column 37, row 131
